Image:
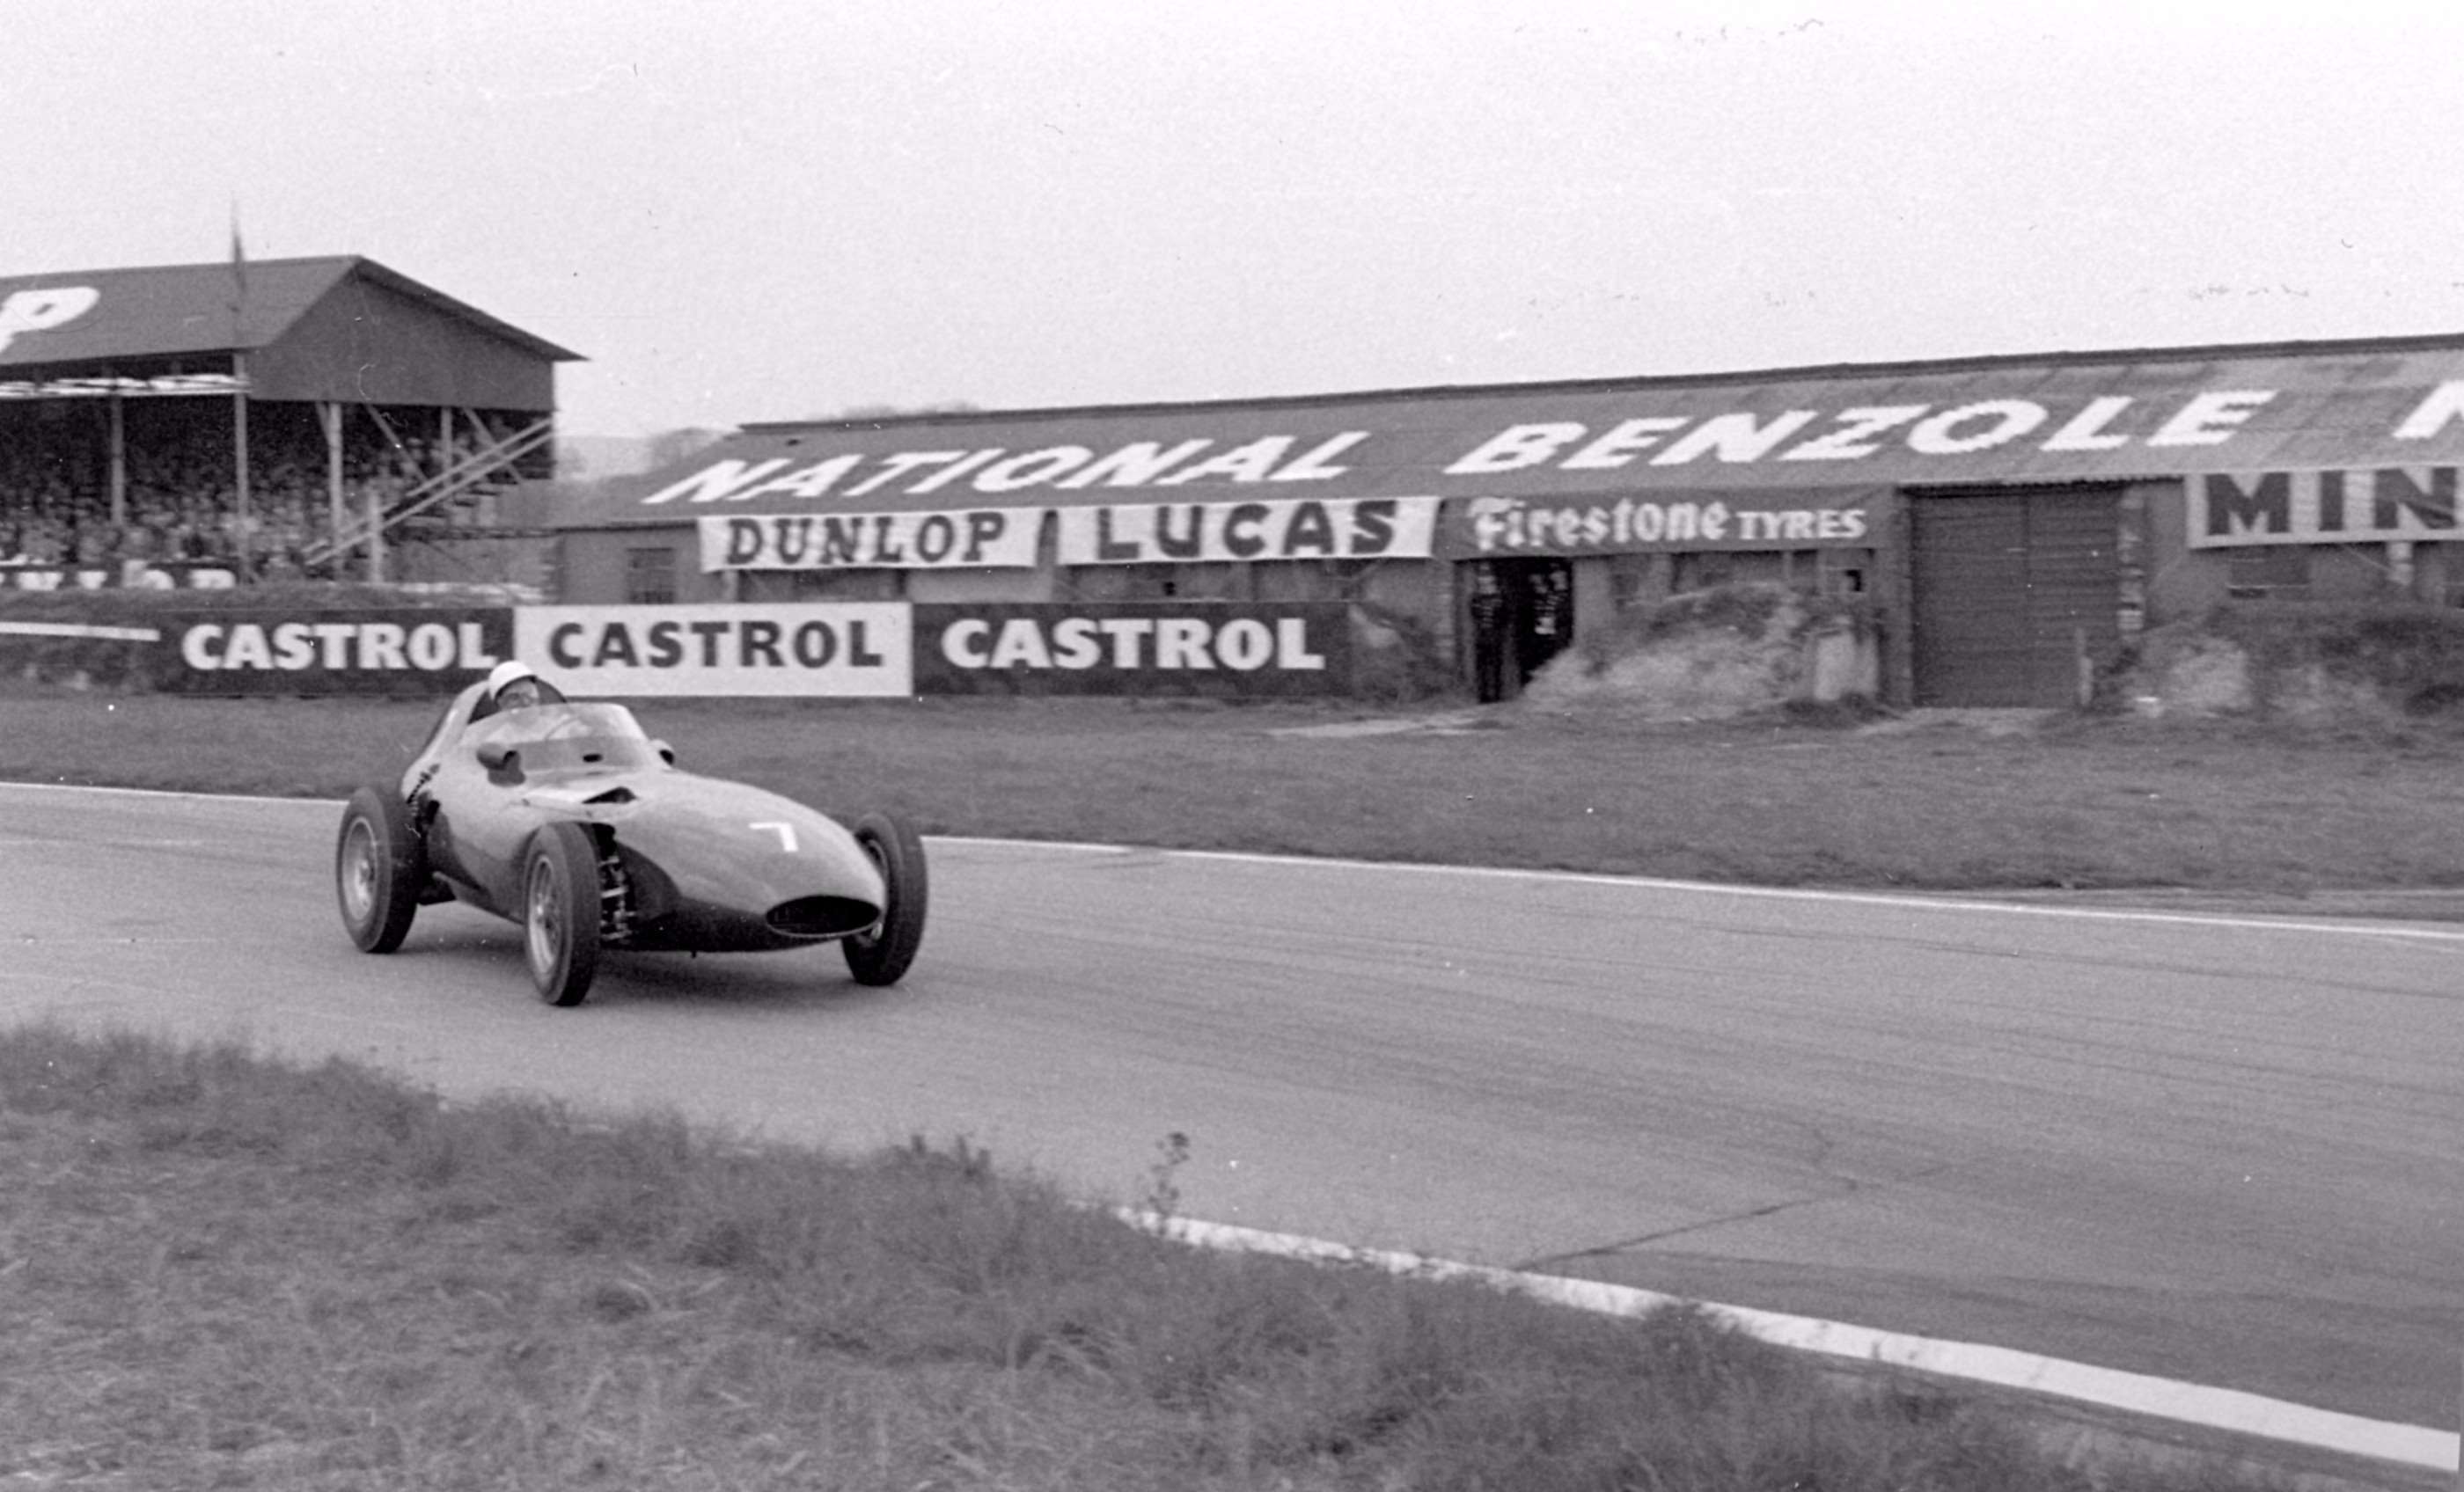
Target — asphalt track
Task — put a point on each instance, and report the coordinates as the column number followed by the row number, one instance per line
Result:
column 2217, row 1149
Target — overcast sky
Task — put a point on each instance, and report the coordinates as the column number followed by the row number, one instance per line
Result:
column 741, row 210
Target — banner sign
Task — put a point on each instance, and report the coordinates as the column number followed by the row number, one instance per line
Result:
column 2230, row 510
column 385, row 650
column 2063, row 417
column 1004, row 538
column 107, row 386
column 1812, row 518
column 135, row 575
column 818, row 649
column 1305, row 528
column 1133, row 648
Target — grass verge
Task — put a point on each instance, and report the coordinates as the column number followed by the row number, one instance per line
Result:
column 220, row 1271
column 2076, row 803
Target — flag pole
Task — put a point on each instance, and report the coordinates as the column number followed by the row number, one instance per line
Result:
column 239, row 403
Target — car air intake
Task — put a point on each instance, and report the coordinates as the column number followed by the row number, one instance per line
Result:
column 823, row 916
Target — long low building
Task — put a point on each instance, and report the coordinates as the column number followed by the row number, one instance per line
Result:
column 2009, row 522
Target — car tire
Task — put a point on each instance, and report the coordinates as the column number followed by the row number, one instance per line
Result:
column 560, row 913
column 881, row 955
column 380, row 868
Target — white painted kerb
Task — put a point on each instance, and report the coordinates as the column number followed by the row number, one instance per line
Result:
column 2183, row 1403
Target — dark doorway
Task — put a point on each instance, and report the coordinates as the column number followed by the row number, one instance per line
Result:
column 1520, row 613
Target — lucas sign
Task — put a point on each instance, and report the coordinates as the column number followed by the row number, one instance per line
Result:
column 1305, row 528
column 847, row 649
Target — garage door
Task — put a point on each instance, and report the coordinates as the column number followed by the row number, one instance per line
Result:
column 2007, row 587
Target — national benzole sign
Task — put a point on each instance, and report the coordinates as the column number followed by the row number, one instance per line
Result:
column 1807, row 430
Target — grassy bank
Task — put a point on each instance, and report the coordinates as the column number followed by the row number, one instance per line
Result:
column 2078, row 803
column 220, row 1272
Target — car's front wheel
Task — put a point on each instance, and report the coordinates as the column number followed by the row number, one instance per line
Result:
column 881, row 955
column 379, row 869
column 560, row 913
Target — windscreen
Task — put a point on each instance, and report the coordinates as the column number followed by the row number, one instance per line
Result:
column 562, row 738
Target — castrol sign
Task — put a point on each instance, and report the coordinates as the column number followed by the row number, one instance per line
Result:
column 395, row 650
column 1135, row 647
column 854, row 649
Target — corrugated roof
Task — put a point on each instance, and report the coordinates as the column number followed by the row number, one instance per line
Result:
column 168, row 311
column 1647, row 382
column 2060, row 417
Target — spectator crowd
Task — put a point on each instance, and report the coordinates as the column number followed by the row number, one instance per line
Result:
column 180, row 494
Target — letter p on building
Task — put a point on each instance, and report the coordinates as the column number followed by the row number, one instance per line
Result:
column 41, row 309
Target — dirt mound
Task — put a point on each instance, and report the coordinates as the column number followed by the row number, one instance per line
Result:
column 1713, row 655
column 2301, row 663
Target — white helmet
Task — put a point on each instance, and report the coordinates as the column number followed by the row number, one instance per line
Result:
column 507, row 672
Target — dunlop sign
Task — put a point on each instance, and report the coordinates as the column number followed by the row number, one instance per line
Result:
column 820, row 650
column 1133, row 648
column 998, row 537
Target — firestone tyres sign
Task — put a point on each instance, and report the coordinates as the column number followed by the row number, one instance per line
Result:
column 1135, row 647
column 1810, row 519
column 852, row 649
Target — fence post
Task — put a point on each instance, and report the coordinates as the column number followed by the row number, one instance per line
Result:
column 375, row 534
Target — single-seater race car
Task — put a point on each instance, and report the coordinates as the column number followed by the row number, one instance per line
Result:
column 566, row 818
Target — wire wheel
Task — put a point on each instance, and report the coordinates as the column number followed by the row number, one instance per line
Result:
column 881, row 954
column 560, row 913
column 379, row 867
column 358, row 874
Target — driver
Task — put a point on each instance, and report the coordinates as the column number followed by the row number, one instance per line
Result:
column 515, row 685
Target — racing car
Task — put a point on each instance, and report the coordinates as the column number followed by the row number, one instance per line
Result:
column 566, row 818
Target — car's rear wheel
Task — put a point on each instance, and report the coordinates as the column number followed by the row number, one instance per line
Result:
column 881, row 955
column 379, row 869
column 560, row 913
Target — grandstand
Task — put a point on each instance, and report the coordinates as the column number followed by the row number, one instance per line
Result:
column 264, row 419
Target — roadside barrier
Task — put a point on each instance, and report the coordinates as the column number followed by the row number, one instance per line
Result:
column 814, row 650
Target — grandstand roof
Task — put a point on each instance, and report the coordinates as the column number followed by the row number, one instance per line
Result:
column 344, row 329
column 171, row 310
